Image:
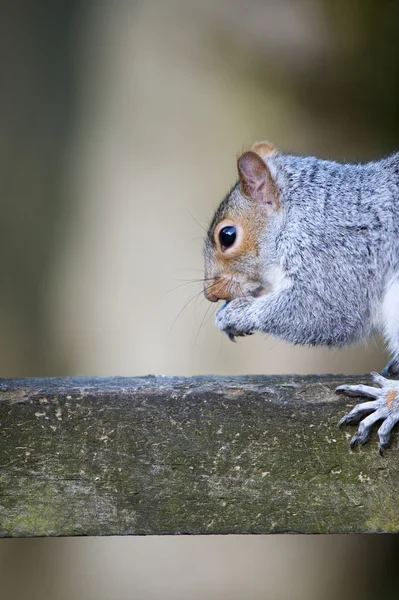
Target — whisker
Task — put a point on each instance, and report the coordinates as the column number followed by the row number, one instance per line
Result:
column 185, row 283
column 242, row 293
column 209, row 316
column 229, row 286
column 189, row 302
column 201, row 324
column 179, row 286
column 202, row 279
column 275, row 344
column 226, row 286
column 198, row 223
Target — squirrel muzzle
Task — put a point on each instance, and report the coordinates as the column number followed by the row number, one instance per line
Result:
column 221, row 288
column 228, row 288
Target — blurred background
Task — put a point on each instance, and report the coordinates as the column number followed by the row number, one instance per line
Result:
column 120, row 125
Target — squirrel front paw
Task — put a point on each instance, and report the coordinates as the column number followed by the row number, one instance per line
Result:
column 235, row 318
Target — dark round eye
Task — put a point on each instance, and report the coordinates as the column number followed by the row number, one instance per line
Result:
column 227, row 236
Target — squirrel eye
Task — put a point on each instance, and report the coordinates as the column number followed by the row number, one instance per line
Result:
column 227, row 236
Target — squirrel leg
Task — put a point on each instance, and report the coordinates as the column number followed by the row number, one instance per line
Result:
column 390, row 326
column 384, row 407
column 392, row 369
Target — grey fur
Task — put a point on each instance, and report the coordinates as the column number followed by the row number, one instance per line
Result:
column 335, row 239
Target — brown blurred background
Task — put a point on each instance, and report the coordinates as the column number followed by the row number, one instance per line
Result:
column 120, row 125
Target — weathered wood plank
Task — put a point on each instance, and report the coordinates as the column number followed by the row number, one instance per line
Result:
column 156, row 455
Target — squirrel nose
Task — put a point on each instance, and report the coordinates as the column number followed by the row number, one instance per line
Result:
column 209, row 295
column 218, row 289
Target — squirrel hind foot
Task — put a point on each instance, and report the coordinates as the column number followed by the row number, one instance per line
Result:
column 384, row 407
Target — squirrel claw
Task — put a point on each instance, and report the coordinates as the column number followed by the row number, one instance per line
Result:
column 382, row 448
column 232, row 334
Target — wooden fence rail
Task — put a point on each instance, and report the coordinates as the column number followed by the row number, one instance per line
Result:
column 158, row 455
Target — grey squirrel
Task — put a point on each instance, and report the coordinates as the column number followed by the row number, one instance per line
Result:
column 308, row 250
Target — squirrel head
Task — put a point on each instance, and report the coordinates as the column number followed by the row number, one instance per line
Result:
column 232, row 249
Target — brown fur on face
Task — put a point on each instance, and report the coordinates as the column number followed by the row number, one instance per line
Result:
column 236, row 271
column 233, row 272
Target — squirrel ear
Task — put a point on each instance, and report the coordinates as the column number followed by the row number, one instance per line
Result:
column 263, row 149
column 256, row 180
